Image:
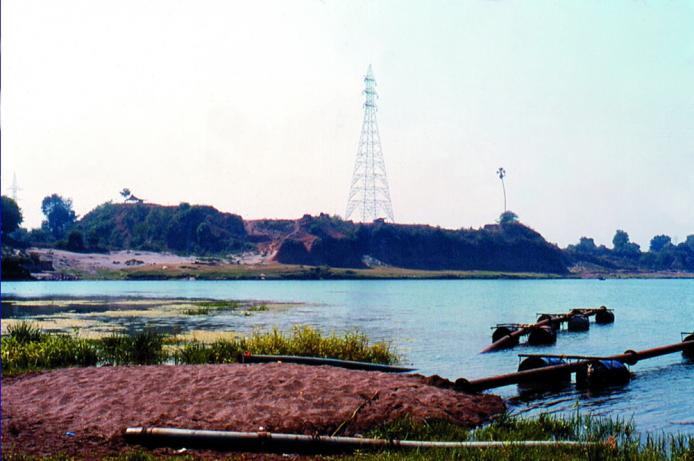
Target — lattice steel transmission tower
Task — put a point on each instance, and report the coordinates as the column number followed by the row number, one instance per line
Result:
column 14, row 188
column 369, row 196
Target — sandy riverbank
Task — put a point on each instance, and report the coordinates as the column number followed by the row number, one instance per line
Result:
column 97, row 404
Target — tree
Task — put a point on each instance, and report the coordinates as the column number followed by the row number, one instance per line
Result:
column 75, row 241
column 586, row 245
column 126, row 193
column 622, row 245
column 508, row 217
column 659, row 242
column 620, row 240
column 690, row 241
column 11, row 215
column 59, row 215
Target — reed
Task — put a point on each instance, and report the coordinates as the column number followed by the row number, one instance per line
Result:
column 49, row 351
column 25, row 332
column 303, row 341
column 145, row 347
column 616, row 439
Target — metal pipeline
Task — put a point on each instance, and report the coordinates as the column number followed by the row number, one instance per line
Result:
column 509, row 340
column 349, row 364
column 298, row 443
column 630, row 357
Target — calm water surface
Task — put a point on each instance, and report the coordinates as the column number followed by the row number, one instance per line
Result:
column 439, row 326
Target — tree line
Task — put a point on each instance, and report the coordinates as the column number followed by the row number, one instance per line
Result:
column 195, row 229
column 662, row 255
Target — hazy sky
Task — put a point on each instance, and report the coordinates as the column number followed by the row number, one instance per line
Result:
column 255, row 107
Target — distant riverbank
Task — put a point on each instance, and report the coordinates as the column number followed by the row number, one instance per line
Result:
column 52, row 264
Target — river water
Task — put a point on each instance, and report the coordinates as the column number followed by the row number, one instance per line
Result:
column 439, row 326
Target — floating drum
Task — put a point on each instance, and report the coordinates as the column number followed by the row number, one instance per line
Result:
column 559, row 379
column 604, row 316
column 578, row 323
column 556, row 324
column 602, row 373
column 502, row 332
column 689, row 352
column 542, row 335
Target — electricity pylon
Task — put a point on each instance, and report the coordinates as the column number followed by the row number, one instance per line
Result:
column 369, row 196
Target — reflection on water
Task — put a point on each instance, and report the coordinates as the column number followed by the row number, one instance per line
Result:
column 441, row 325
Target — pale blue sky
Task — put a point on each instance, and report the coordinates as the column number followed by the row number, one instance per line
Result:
column 255, row 108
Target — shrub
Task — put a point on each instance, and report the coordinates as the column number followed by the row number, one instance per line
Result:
column 25, row 332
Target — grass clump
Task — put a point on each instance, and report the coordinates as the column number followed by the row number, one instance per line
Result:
column 40, row 350
column 258, row 308
column 46, row 351
column 212, row 307
column 128, row 455
column 614, row 439
column 33, row 349
column 145, row 347
column 302, row 341
column 25, row 332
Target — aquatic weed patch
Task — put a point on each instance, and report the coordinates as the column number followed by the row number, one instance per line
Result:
column 212, row 307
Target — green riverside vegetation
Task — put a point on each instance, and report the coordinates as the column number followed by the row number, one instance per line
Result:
column 26, row 348
column 615, row 439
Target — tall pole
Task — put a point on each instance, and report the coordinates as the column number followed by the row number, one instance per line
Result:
column 502, row 174
column 369, row 195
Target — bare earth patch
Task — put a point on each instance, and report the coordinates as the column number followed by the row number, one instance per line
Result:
column 97, row 404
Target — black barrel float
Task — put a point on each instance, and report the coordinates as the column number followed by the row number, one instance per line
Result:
column 578, row 322
column 503, row 331
column 556, row 324
column 559, row 379
column 689, row 352
column 542, row 335
column 602, row 373
column 604, row 316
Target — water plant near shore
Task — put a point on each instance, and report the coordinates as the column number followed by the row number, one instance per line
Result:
column 303, row 341
column 212, row 307
column 142, row 348
column 613, row 438
column 25, row 348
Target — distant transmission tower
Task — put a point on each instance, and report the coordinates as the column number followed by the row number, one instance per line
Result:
column 369, row 197
column 14, row 188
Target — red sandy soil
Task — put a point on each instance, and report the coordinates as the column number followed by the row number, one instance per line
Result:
column 97, row 404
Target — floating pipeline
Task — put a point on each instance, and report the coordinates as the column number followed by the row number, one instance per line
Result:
column 604, row 317
column 306, row 444
column 602, row 373
column 688, row 353
column 541, row 336
column 506, row 330
column 555, row 372
column 317, row 361
column 507, row 335
column 555, row 324
column 578, row 323
column 560, row 380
